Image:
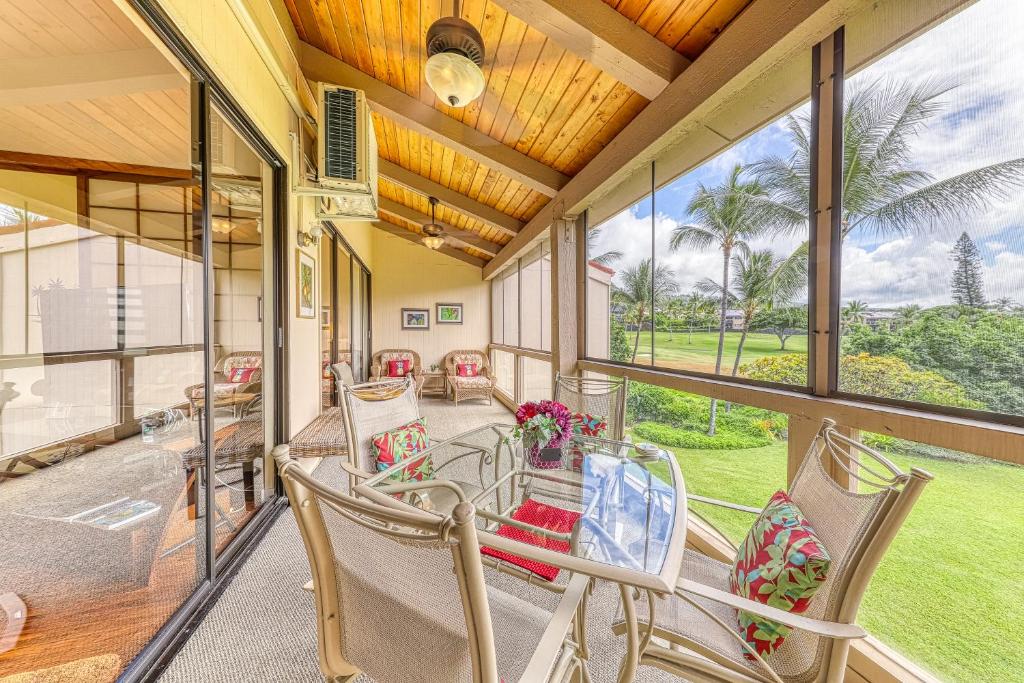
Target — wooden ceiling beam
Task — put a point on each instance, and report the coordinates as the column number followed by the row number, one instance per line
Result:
column 470, row 239
column 432, row 123
column 762, row 26
column 595, row 32
column 414, row 237
column 414, row 182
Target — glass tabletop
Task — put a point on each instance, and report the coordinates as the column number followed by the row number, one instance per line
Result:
column 596, row 505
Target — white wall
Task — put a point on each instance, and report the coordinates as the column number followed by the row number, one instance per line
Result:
column 408, row 275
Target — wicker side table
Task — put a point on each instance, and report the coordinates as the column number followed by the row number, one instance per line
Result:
column 433, row 383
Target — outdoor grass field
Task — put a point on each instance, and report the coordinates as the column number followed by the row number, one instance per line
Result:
column 948, row 593
column 700, row 354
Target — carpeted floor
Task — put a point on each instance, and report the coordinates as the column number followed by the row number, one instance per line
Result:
column 263, row 626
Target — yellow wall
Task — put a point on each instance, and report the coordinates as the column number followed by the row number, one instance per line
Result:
column 408, row 275
column 213, row 30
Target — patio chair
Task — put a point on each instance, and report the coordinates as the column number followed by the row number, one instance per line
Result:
column 400, row 595
column 379, row 365
column 371, row 408
column 463, row 388
column 605, row 398
column 698, row 625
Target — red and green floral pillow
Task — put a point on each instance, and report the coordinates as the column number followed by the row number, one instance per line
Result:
column 400, row 444
column 780, row 563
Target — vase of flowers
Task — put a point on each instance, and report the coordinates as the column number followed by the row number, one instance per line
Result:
column 542, row 425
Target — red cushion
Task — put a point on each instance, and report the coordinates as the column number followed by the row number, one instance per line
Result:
column 399, row 367
column 780, row 563
column 466, row 370
column 241, row 375
column 545, row 517
column 402, row 443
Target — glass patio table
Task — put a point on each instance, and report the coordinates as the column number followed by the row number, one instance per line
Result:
column 601, row 509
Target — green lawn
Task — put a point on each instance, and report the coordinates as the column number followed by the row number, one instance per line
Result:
column 699, row 355
column 949, row 593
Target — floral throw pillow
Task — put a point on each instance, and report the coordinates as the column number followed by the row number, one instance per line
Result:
column 780, row 563
column 585, row 424
column 399, row 368
column 241, row 375
column 466, row 370
column 400, row 444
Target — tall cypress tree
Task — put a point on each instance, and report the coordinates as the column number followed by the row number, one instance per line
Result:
column 968, row 286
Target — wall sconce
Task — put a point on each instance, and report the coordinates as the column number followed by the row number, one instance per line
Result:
column 311, row 238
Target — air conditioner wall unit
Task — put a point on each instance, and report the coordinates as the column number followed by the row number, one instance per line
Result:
column 346, row 169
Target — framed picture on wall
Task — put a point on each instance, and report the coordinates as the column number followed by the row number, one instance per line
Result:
column 415, row 318
column 449, row 314
column 305, row 288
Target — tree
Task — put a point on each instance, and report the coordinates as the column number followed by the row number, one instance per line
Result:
column 853, row 313
column 882, row 191
column 726, row 217
column 605, row 258
column 637, row 285
column 968, row 284
column 905, row 315
column 783, row 322
column 698, row 310
column 673, row 312
column 762, row 281
column 618, row 344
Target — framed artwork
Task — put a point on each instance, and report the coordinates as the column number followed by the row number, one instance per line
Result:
column 449, row 314
column 325, row 317
column 305, row 290
column 415, row 318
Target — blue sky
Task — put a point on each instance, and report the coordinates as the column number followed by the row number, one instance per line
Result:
column 981, row 51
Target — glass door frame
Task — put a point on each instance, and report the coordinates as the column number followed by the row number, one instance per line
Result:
column 332, row 232
column 208, row 91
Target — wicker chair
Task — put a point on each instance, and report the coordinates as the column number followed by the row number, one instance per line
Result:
column 463, row 388
column 601, row 397
column 222, row 386
column 698, row 624
column 400, row 595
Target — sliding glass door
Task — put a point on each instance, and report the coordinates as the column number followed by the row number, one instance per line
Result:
column 345, row 316
column 137, row 326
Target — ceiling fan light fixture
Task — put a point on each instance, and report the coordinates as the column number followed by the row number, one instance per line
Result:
column 433, row 241
column 433, row 232
column 455, row 53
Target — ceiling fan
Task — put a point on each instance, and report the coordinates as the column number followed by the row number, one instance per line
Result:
column 433, row 233
column 455, row 53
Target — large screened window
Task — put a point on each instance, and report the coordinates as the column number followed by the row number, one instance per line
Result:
column 707, row 272
column 932, row 287
column 521, row 321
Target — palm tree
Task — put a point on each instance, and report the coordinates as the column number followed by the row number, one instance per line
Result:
column 605, row 259
column 881, row 190
column 638, row 284
column 905, row 315
column 762, row 281
column 673, row 310
column 727, row 217
column 854, row 313
column 1004, row 304
column 697, row 308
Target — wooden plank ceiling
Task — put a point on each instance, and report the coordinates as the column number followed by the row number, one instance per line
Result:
column 541, row 100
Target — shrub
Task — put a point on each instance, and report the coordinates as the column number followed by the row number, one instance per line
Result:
column 724, row 438
column 884, row 376
column 618, row 344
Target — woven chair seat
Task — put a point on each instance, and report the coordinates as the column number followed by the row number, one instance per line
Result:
column 240, row 441
column 324, row 437
column 473, row 382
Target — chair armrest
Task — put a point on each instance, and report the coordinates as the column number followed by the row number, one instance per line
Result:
column 724, row 504
column 553, row 640
column 375, row 371
column 357, row 474
column 829, row 629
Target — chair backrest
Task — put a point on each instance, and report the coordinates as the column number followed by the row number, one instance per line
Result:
column 372, row 408
column 856, row 528
column 242, row 359
column 455, row 358
column 599, row 397
column 400, row 593
column 343, row 375
column 379, row 362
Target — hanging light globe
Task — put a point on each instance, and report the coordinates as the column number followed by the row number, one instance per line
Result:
column 455, row 53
